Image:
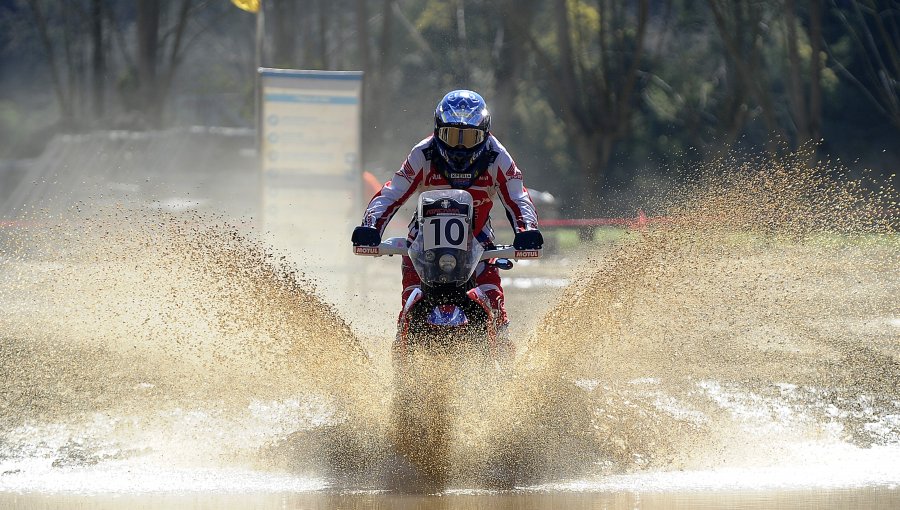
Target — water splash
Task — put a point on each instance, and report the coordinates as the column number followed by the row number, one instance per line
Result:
column 760, row 316
column 767, row 272
column 200, row 344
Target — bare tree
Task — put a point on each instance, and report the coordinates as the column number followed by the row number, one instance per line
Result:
column 147, row 44
column 740, row 28
column 160, row 51
column 815, row 89
column 98, row 59
column 805, row 89
column 64, row 93
column 323, row 7
column 593, row 89
column 362, row 35
column 516, row 18
column 375, row 48
column 875, row 29
column 284, row 33
column 461, row 70
column 176, row 50
column 385, row 52
column 365, row 60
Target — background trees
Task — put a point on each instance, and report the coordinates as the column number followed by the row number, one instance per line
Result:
column 599, row 99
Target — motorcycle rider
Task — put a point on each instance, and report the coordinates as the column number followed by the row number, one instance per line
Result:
column 461, row 153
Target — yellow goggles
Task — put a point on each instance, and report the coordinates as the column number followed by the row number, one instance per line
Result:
column 461, row 137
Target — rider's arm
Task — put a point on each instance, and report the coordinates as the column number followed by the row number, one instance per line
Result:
column 519, row 208
column 395, row 192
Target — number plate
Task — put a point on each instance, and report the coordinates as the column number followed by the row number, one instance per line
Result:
column 450, row 231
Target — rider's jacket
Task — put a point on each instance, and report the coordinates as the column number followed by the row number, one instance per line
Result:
column 420, row 173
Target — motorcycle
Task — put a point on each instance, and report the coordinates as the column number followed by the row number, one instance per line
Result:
column 447, row 313
column 448, row 308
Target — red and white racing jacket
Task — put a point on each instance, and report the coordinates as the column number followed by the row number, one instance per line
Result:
column 419, row 173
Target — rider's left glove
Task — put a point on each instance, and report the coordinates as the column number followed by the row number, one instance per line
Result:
column 366, row 236
column 528, row 240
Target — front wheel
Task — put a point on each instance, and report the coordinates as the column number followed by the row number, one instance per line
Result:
column 474, row 329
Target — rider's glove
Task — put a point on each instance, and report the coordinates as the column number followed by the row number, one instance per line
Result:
column 528, row 240
column 366, row 236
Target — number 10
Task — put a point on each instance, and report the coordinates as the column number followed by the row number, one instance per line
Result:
column 453, row 231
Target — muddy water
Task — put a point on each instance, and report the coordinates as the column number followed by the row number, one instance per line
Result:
column 875, row 499
column 747, row 348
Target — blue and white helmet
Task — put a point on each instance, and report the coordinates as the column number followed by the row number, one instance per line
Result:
column 461, row 125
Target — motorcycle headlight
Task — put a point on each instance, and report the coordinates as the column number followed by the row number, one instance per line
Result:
column 447, row 262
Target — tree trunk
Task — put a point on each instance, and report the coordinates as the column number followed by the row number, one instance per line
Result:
column 324, row 7
column 797, row 96
column 65, row 105
column 566, row 69
column 379, row 107
column 515, row 20
column 362, row 35
column 594, row 94
column 306, row 24
column 815, row 72
column 98, row 59
column 362, row 46
column 744, row 53
column 462, row 53
column 71, row 64
column 175, row 53
column 385, row 45
column 589, row 148
column 284, row 33
column 147, row 46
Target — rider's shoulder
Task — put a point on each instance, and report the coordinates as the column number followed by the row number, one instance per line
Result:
column 424, row 143
column 495, row 144
column 421, row 152
column 503, row 159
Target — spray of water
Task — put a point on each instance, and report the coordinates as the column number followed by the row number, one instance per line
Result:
column 154, row 317
column 762, row 312
column 768, row 275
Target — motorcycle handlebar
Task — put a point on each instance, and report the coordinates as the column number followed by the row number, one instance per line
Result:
column 509, row 252
column 397, row 246
column 391, row 246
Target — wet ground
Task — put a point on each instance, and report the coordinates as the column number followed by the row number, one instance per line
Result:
column 869, row 498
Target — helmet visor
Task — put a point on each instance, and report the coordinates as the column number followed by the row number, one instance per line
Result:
column 461, row 137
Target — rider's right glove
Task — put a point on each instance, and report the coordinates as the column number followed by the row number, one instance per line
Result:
column 528, row 240
column 366, row 236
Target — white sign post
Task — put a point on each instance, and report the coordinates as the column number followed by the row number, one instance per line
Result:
column 310, row 160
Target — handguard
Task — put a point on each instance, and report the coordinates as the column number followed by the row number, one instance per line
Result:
column 529, row 240
column 365, row 236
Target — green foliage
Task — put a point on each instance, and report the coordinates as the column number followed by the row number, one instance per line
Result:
column 438, row 16
column 689, row 100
